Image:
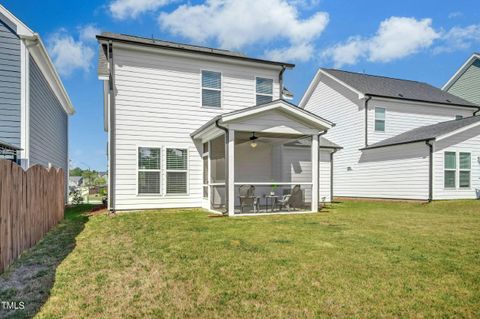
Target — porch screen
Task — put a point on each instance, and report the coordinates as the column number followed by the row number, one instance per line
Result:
column 148, row 170
column 176, row 171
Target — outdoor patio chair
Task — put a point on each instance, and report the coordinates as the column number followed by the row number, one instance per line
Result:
column 293, row 200
column 248, row 199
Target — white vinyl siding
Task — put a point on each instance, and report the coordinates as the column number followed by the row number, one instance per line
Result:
column 177, row 170
column 211, row 89
column 263, row 90
column 149, row 170
column 157, row 103
column 380, row 119
column 396, row 172
column 466, row 146
column 405, row 116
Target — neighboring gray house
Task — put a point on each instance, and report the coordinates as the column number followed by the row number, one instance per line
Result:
column 34, row 106
column 465, row 83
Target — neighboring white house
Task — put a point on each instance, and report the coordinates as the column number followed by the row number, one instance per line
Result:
column 34, row 106
column 188, row 126
column 401, row 139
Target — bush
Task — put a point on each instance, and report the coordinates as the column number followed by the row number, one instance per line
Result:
column 76, row 196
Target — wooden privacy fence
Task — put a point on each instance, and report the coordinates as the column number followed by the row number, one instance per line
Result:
column 31, row 203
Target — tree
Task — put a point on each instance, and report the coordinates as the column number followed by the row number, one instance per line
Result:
column 77, row 171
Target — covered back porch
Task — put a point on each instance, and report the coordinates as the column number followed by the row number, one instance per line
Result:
column 252, row 163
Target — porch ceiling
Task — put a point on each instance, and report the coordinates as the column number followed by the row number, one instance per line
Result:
column 277, row 118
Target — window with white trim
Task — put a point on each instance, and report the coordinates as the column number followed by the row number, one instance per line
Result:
column 465, row 165
column 211, row 89
column 264, row 90
column 450, row 169
column 380, row 119
column 149, row 170
column 177, row 171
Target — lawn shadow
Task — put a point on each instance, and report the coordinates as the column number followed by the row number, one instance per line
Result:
column 27, row 282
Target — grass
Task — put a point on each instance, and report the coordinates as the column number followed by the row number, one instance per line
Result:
column 356, row 259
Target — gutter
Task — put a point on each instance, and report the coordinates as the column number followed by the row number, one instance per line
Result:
column 395, row 144
column 430, row 171
column 280, row 80
column 223, row 128
column 421, row 101
column 207, row 53
column 111, row 173
column 367, row 99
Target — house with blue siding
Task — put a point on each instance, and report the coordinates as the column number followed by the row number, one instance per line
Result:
column 34, row 106
column 465, row 83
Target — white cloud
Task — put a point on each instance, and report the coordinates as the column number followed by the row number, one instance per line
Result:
column 458, row 38
column 298, row 52
column 397, row 37
column 123, row 9
column 455, row 14
column 236, row 24
column 88, row 32
column 69, row 54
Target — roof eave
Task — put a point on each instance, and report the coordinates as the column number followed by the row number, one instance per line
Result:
column 397, row 144
column 152, row 45
column 421, row 101
column 460, row 71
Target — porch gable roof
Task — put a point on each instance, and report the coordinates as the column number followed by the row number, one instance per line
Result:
column 299, row 115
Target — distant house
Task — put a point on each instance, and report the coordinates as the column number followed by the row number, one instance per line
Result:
column 34, row 106
column 75, row 181
column 465, row 83
column 401, row 139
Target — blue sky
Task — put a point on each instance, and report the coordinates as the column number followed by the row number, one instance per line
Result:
column 419, row 40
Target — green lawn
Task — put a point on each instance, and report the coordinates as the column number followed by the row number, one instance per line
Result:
column 355, row 259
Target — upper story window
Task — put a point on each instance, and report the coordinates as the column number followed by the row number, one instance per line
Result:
column 211, row 89
column 380, row 119
column 264, row 90
column 148, row 170
column 458, row 117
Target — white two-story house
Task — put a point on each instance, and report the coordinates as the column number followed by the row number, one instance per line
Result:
column 401, row 139
column 190, row 126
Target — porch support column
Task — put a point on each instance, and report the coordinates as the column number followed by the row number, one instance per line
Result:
column 315, row 176
column 231, row 172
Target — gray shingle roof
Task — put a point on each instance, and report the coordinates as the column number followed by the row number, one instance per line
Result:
column 426, row 133
column 307, row 142
column 396, row 88
column 184, row 47
column 102, row 68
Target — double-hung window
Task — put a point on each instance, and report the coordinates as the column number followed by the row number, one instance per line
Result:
column 177, row 171
column 264, row 90
column 211, row 89
column 450, row 169
column 380, row 119
column 149, row 170
column 465, row 167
